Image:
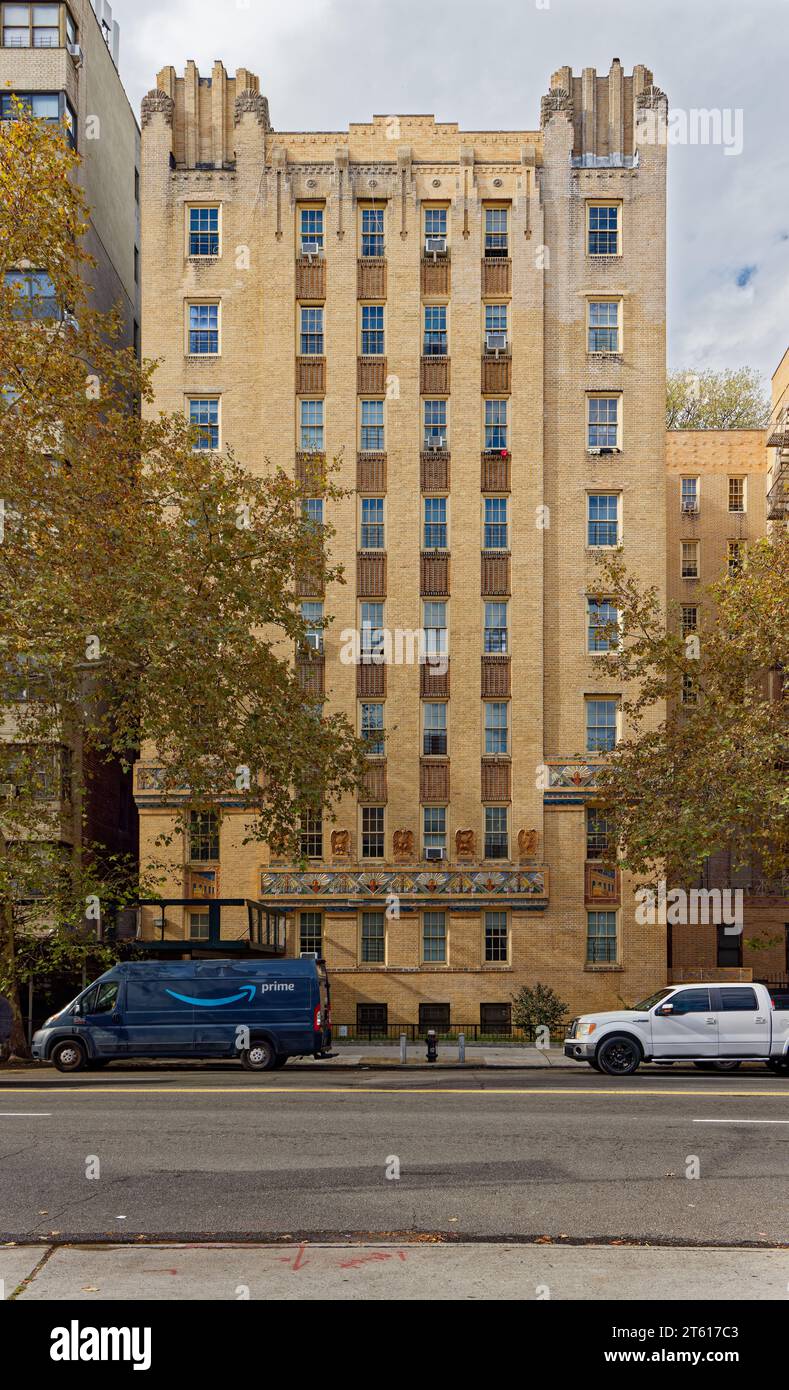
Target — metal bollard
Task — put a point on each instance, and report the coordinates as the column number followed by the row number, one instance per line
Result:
column 432, row 1045
column 403, row 1046
column 461, row 1047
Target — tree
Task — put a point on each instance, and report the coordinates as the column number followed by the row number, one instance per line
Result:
column 727, row 400
column 537, row 1007
column 149, row 585
column 702, row 768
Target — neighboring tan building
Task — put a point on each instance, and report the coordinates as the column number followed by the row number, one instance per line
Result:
column 476, row 320
column 61, row 59
column 717, row 503
column 778, row 442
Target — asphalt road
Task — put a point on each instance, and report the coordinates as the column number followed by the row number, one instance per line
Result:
column 495, row 1156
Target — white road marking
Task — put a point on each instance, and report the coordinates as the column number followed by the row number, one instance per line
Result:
column 25, row 1114
column 741, row 1122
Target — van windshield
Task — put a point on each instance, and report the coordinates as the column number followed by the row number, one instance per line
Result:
column 653, row 999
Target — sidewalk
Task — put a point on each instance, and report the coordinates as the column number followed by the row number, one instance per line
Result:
column 477, row 1055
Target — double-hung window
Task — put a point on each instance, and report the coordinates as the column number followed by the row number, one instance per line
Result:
column 600, row 938
column 736, row 494
column 604, row 327
column 495, row 532
column 689, row 494
column 602, row 520
column 434, row 827
column 434, row 938
column 435, row 223
column 597, row 833
column 204, row 329
column 311, row 932
column 371, row 433
column 434, row 622
column 434, row 729
column 312, row 617
column 311, row 227
column 496, row 938
column 35, row 294
column 601, row 724
column 204, row 231
column 496, row 424
column 311, row 426
column 602, row 620
column 689, row 559
column 373, row 942
column 311, row 835
column 435, row 531
column 372, row 232
column 497, row 839
column 435, row 416
column 496, row 239
column 602, row 422
column 496, row 726
column 496, row 628
column 203, row 837
column 372, row 728
column 311, row 333
column 372, row 832
column 204, row 416
column 372, row 524
column 372, row 629
column 604, row 229
column 435, row 336
column 372, row 330
column 312, row 511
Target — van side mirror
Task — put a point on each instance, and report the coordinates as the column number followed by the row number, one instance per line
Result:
column 664, row 1010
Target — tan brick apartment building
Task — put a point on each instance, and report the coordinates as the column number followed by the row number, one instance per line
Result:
column 475, row 321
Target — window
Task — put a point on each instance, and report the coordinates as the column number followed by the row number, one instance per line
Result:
column 497, row 840
column 372, row 728
column 602, row 422
column 496, row 240
column 496, row 938
column 434, row 828
column 689, row 494
column 435, row 424
column 372, row 330
column 597, row 833
column 496, row 424
column 44, row 106
column 204, row 328
column 136, row 265
column 600, row 938
column 689, row 619
column 372, row 427
column 311, row 932
column 434, row 938
column 495, row 627
column 204, row 416
column 372, row 524
column 603, row 326
column 434, row 729
column 311, row 226
column 601, row 616
column 136, row 185
column 603, row 229
column 690, row 560
column 311, row 835
column 31, row 26
column 199, row 926
column 373, row 938
column 312, row 617
column 372, row 625
column 601, row 725
column 311, row 331
column 729, row 952
column 495, row 318
column 36, row 296
column 495, row 535
column 736, row 494
column 690, row 690
column 497, row 726
column 742, row 1000
column 435, row 222
column 312, row 511
column 372, row 231
column 435, row 338
column 372, row 832
column 435, row 529
column 311, row 426
column 735, row 553
column 602, row 519
column 204, row 231
column 203, row 837
column 434, row 623
column 690, row 1001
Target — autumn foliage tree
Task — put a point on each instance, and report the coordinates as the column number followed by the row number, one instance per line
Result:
column 148, row 584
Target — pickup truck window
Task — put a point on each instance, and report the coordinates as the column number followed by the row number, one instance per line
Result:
column 652, row 1000
column 691, row 1001
column 739, row 1000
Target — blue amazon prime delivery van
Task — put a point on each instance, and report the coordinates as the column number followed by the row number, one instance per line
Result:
column 261, row 1011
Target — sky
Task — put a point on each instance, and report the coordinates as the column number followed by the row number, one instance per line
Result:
column 325, row 63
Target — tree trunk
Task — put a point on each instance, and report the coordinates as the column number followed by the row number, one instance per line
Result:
column 18, row 1037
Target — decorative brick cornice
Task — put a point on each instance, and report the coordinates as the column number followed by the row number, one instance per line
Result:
column 555, row 102
column 651, row 98
column 157, row 102
column 249, row 101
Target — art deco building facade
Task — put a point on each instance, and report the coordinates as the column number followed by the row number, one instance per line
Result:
column 475, row 322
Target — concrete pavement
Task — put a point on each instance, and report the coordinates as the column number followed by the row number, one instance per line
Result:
column 380, row 1271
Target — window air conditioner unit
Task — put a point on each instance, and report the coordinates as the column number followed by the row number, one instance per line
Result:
column 76, row 52
column 436, row 246
column 496, row 342
column 310, row 249
column 690, row 504
column 434, row 853
column 594, row 451
column 309, row 955
column 436, row 444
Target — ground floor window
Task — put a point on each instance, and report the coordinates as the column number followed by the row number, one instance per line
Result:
column 496, row 937
column 372, row 1019
column 495, row 1018
column 434, row 937
column 600, row 937
column 311, row 932
column 373, row 938
column 729, row 948
column 434, row 1016
column 198, row 926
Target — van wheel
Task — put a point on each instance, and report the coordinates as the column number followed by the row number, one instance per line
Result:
column 259, row 1057
column 69, row 1056
column 619, row 1055
column 718, row 1066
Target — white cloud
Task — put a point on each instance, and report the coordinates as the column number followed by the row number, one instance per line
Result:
column 324, row 63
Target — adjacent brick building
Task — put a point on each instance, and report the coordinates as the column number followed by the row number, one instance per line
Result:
column 475, row 322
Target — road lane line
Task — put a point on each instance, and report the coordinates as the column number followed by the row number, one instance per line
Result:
column 389, row 1091
column 741, row 1122
column 25, row 1114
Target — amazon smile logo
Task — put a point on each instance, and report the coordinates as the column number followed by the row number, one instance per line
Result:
column 247, row 992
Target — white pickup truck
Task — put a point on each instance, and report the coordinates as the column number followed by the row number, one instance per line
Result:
column 715, row 1026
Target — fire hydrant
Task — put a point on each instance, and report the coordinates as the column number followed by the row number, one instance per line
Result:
column 432, row 1045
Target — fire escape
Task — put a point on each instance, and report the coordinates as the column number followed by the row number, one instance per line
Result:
column 778, row 493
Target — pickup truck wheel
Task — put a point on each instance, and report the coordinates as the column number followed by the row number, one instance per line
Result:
column 259, row 1056
column 68, row 1056
column 619, row 1055
column 779, row 1064
column 594, row 1064
column 722, row 1065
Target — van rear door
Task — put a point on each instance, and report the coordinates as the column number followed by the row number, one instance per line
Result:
column 324, row 995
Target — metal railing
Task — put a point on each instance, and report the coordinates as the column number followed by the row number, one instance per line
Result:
column 417, row 1032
